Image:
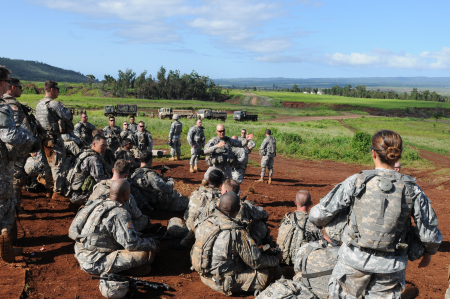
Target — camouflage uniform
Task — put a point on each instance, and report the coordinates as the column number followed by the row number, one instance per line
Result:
column 175, row 136
column 235, row 264
column 102, row 191
column 143, row 141
column 35, row 165
column 267, row 150
column 122, row 153
column 84, row 131
column 196, row 137
column 127, row 134
column 48, row 113
column 88, row 169
column 152, row 190
column 374, row 273
column 242, row 167
column 240, row 164
column 133, row 127
column 108, row 242
column 15, row 137
column 294, row 231
column 112, row 135
column 221, row 158
column 19, row 163
column 72, row 143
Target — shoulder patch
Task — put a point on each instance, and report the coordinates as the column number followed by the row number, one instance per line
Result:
column 15, row 108
column 130, row 225
column 252, row 242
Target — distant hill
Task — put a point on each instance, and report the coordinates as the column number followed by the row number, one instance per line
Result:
column 28, row 70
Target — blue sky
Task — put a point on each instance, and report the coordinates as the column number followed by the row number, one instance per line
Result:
column 233, row 38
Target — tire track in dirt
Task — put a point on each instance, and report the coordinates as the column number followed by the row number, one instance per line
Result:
column 254, row 98
column 354, row 130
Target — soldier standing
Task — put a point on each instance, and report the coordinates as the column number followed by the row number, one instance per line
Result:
column 16, row 137
column 112, row 133
column 126, row 132
column 133, row 126
column 143, row 139
column 15, row 91
column 220, row 152
column 83, row 130
column 196, row 139
column 267, row 151
column 174, row 138
column 240, row 164
column 56, row 119
column 248, row 149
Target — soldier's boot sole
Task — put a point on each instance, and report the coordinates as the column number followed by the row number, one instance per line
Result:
column 204, row 182
column 191, row 170
column 260, row 181
column 172, row 159
column 6, row 249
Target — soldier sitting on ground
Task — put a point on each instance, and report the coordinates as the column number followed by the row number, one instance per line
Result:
column 34, row 168
column 88, row 169
column 226, row 257
column 72, row 144
column 153, row 191
column 295, row 229
column 102, row 190
column 106, row 240
column 108, row 156
column 125, row 153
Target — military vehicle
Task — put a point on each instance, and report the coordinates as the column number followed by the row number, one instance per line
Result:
column 169, row 112
column 244, row 116
column 212, row 114
column 121, row 110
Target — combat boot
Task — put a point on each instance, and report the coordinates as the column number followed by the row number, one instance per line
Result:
column 191, row 169
column 178, row 157
column 196, row 167
column 172, row 159
column 49, row 193
column 6, row 249
column 261, row 180
column 270, row 180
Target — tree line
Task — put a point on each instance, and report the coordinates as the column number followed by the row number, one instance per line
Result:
column 166, row 85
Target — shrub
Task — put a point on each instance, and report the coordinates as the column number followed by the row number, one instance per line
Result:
column 361, row 141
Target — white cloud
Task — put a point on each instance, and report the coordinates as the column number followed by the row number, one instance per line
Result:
column 438, row 60
column 277, row 58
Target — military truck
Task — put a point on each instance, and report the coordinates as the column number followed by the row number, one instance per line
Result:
column 244, row 116
column 212, row 114
column 169, row 112
column 121, row 110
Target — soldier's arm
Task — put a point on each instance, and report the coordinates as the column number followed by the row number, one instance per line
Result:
column 135, row 212
column 122, row 228
column 426, row 222
column 61, row 110
column 251, row 144
column 250, row 253
column 210, row 147
column 95, row 169
column 189, row 136
column 255, row 212
column 77, row 130
column 263, row 144
column 336, row 200
column 238, row 143
column 171, row 131
column 11, row 134
column 159, row 184
column 313, row 231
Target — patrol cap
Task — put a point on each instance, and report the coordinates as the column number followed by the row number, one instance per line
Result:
column 113, row 289
column 176, row 116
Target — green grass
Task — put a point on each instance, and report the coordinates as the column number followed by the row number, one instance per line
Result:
column 337, row 100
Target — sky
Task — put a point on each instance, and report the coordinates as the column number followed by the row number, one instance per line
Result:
column 233, row 38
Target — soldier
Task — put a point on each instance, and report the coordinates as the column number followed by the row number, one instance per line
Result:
column 220, row 152
column 34, row 168
column 56, row 119
column 88, row 169
column 108, row 156
column 226, row 257
column 196, row 139
column 102, row 190
column 15, row 91
column 154, row 191
column 72, row 144
column 398, row 166
column 83, row 130
column 132, row 126
column 295, row 229
column 126, row 132
column 125, row 153
column 267, row 151
column 106, row 240
column 174, row 138
column 143, row 139
column 16, row 137
column 240, row 164
column 112, row 133
column 373, row 255
column 248, row 148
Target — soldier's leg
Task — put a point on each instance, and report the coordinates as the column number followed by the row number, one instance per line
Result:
column 80, row 197
column 178, row 147
column 264, row 161
column 386, row 285
column 193, row 156
column 179, row 202
column 270, row 167
column 7, row 207
column 19, row 178
column 71, row 148
column 172, row 150
column 347, row 282
column 48, row 176
column 55, row 158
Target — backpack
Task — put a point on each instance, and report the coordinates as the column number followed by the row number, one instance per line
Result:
column 177, row 127
column 286, row 289
column 291, row 235
column 80, row 219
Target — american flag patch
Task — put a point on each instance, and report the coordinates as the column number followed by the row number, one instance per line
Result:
column 14, row 108
column 130, row 225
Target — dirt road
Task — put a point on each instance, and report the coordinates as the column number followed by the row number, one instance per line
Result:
column 53, row 272
column 254, row 98
column 286, row 119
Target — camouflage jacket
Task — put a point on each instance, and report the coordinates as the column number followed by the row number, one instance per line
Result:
column 248, row 144
column 127, row 134
column 143, row 140
column 196, row 136
column 241, row 158
column 133, row 127
column 268, row 142
column 199, row 200
column 172, row 130
column 112, row 135
column 341, row 198
column 19, row 115
column 84, row 131
column 121, row 153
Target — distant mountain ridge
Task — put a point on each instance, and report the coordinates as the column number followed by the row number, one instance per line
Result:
column 28, row 70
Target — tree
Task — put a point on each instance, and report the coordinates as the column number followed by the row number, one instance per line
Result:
column 90, row 78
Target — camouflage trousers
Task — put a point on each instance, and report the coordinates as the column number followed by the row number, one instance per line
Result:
column 226, row 169
column 175, row 203
column 71, row 148
column 176, row 146
column 266, row 161
column 248, row 280
column 238, row 174
column 195, row 154
column 7, row 205
column 53, row 156
column 19, row 178
column 447, row 293
column 117, row 261
column 348, row 283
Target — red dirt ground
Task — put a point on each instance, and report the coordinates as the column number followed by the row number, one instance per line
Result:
column 53, row 272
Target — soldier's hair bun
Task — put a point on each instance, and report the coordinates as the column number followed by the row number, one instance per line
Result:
column 388, row 145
